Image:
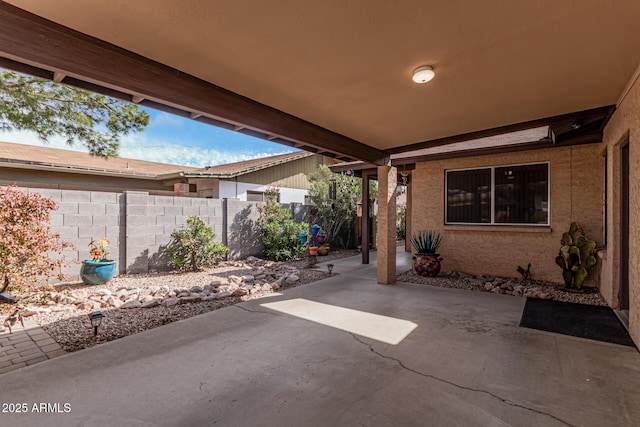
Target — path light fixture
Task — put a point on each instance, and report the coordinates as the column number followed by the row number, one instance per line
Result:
column 330, row 268
column 423, row 74
column 96, row 320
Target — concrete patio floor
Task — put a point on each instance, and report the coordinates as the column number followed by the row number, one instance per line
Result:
column 464, row 362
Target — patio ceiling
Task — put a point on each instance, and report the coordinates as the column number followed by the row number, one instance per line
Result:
column 334, row 76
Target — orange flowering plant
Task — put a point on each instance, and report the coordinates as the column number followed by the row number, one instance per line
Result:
column 99, row 250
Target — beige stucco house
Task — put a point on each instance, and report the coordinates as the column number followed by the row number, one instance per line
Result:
column 337, row 81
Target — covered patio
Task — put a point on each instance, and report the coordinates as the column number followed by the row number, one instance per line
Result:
column 335, row 78
column 404, row 355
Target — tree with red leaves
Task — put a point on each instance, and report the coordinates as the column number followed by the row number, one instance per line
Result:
column 27, row 245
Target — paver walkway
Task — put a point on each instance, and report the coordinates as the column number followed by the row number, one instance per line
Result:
column 26, row 346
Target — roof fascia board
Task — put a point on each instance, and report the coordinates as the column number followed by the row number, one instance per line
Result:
column 605, row 112
column 53, row 167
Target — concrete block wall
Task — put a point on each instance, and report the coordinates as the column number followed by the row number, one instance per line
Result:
column 139, row 225
column 83, row 216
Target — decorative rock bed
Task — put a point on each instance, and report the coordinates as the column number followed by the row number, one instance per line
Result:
column 134, row 303
column 506, row 286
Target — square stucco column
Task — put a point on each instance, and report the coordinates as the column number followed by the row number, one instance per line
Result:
column 386, row 235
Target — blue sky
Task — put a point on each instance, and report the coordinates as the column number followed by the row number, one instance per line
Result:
column 177, row 140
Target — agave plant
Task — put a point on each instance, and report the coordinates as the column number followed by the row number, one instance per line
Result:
column 426, row 242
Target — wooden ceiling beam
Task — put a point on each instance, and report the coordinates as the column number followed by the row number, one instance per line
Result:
column 32, row 40
column 58, row 77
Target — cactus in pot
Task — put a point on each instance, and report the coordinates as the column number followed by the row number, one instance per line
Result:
column 576, row 256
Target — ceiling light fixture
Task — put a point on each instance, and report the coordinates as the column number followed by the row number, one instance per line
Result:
column 423, row 74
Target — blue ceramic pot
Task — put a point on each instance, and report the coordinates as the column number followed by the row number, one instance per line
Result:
column 97, row 273
column 303, row 237
column 314, row 229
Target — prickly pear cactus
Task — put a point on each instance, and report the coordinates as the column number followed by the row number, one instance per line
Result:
column 576, row 256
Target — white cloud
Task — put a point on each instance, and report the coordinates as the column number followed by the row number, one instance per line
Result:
column 165, row 119
column 141, row 147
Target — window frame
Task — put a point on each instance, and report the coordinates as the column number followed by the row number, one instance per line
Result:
column 493, row 193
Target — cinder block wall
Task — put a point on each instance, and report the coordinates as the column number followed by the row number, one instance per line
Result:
column 85, row 215
column 139, row 225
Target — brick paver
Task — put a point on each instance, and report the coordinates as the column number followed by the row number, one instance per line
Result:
column 26, row 346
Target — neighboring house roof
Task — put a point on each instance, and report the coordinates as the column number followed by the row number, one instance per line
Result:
column 232, row 170
column 54, row 159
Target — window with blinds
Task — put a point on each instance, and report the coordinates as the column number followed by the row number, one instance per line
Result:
column 517, row 194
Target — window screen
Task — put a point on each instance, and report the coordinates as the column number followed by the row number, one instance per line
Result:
column 502, row 195
column 469, row 196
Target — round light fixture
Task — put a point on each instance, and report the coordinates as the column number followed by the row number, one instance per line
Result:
column 423, row 74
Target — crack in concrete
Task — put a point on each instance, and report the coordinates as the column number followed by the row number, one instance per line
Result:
column 273, row 313
column 403, row 366
column 495, row 396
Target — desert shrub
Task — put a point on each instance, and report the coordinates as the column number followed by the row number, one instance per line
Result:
column 279, row 231
column 335, row 197
column 28, row 248
column 194, row 247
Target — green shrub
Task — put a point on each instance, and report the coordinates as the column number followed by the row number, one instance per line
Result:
column 279, row 232
column 194, row 247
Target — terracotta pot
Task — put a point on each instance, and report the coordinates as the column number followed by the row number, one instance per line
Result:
column 426, row 265
column 313, row 250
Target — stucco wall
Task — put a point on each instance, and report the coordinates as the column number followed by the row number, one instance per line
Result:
column 623, row 126
column 238, row 190
column 576, row 184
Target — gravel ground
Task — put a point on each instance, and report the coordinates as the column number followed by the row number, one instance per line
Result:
column 507, row 286
column 71, row 329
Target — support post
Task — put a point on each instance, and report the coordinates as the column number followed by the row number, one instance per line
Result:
column 408, row 217
column 386, row 236
column 364, row 242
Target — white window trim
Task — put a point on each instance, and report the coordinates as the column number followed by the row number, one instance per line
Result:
column 493, row 189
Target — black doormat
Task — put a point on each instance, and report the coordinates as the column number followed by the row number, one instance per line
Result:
column 579, row 320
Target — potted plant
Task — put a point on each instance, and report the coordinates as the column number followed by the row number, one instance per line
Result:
column 315, row 228
column 323, row 250
column 322, row 236
column 426, row 261
column 100, row 269
column 313, row 250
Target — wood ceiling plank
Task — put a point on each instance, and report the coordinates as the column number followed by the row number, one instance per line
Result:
column 33, row 40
